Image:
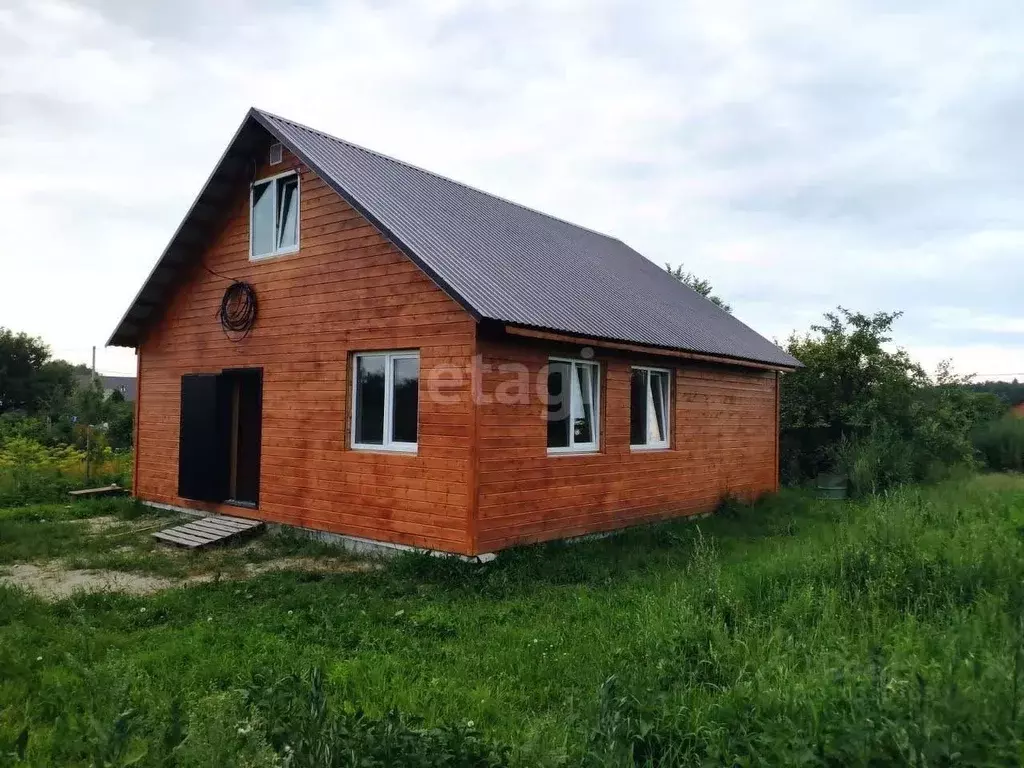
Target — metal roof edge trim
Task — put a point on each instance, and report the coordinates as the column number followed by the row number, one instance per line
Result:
column 667, row 351
column 111, row 342
column 361, row 209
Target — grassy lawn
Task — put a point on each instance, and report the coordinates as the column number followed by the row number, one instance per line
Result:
column 794, row 631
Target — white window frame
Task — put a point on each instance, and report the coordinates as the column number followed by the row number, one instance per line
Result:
column 298, row 213
column 389, row 443
column 594, row 446
column 667, row 442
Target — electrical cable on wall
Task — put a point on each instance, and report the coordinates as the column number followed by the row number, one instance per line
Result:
column 237, row 313
column 238, row 310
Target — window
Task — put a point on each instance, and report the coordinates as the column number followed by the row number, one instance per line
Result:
column 274, row 216
column 648, row 408
column 573, row 406
column 385, row 407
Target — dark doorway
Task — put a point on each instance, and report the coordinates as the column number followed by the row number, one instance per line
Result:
column 244, row 397
column 221, row 431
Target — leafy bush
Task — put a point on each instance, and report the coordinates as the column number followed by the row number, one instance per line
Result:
column 1001, row 444
column 873, row 462
column 31, row 472
column 871, row 412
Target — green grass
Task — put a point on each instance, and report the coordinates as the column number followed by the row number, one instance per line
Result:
column 882, row 632
column 115, row 534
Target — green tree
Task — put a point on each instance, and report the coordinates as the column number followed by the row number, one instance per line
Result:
column 864, row 406
column 1010, row 392
column 55, row 386
column 120, row 421
column 850, row 380
column 699, row 284
column 22, row 358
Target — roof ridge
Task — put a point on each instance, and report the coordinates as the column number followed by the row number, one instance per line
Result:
column 436, row 175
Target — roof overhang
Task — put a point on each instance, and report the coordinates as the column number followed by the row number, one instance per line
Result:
column 194, row 232
column 208, row 211
column 527, row 332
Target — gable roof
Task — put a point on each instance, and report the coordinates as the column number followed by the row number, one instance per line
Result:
column 500, row 260
column 126, row 385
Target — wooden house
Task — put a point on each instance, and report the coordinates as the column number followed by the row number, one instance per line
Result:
column 338, row 340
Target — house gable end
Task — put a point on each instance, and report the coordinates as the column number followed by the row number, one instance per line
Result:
column 240, row 164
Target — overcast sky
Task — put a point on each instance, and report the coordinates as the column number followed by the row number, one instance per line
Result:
column 798, row 154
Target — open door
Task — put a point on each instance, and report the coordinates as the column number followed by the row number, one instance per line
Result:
column 245, row 395
column 220, row 436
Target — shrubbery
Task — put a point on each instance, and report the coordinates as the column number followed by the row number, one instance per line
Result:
column 58, row 430
column 32, row 472
column 1001, row 444
column 870, row 412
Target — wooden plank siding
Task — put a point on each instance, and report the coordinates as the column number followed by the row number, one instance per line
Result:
column 723, row 441
column 346, row 290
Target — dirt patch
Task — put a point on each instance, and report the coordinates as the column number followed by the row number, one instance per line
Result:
column 309, row 564
column 52, row 582
column 101, row 524
column 111, row 524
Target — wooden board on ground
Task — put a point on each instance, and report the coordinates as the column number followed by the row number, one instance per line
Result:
column 209, row 531
column 107, row 490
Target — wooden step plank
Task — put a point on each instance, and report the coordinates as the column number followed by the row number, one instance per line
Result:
column 107, row 490
column 182, row 535
column 198, row 533
column 213, row 528
column 217, row 524
column 206, row 531
column 217, row 530
column 178, row 538
column 240, row 522
column 227, row 525
column 179, row 541
column 207, row 527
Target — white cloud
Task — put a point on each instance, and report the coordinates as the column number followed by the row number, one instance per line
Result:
column 801, row 155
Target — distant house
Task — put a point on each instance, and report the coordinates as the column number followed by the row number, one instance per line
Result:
column 123, row 384
column 431, row 365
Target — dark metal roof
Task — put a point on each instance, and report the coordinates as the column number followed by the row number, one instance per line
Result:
column 508, row 263
column 126, row 385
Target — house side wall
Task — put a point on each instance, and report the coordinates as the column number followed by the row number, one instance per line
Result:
column 723, row 441
column 347, row 290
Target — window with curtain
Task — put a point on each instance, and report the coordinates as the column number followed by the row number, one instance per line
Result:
column 649, row 408
column 573, row 406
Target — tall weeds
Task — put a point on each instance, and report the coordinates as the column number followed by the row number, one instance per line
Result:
column 1001, row 444
column 31, row 472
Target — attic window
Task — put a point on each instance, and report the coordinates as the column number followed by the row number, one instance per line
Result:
column 274, row 216
column 276, row 153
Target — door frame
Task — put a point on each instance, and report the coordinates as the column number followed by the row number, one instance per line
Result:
column 229, row 374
